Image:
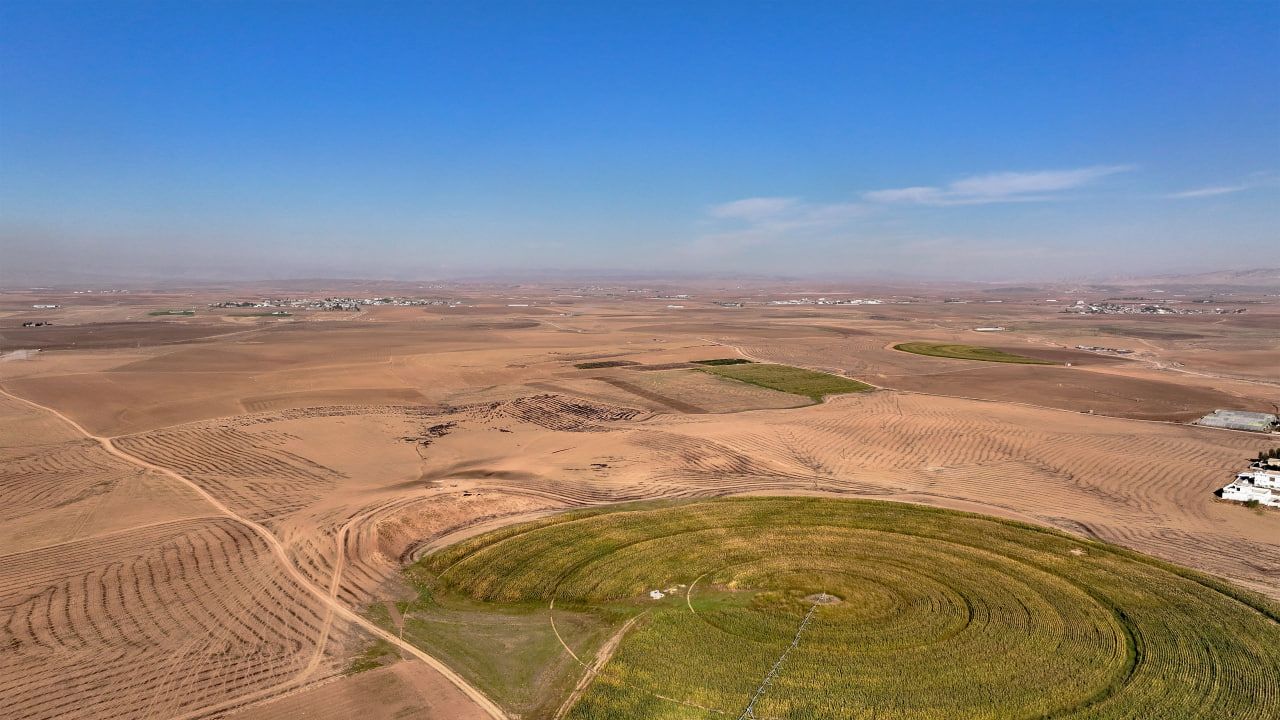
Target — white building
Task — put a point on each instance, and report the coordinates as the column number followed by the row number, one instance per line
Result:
column 1241, row 420
column 1254, row 484
column 1257, row 475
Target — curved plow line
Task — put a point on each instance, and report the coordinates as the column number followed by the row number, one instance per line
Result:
column 278, row 550
column 688, row 594
column 749, row 712
column 169, row 690
column 335, row 584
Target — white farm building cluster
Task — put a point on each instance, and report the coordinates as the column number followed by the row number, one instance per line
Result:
column 1260, row 483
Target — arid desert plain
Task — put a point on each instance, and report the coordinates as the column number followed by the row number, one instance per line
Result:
column 211, row 507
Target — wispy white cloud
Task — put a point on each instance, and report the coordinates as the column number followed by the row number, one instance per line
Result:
column 751, row 222
column 1001, row 187
column 786, row 212
column 1256, row 180
column 1208, row 191
column 753, row 209
column 735, row 226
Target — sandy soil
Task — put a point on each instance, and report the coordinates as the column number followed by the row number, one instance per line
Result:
column 391, row 693
column 197, row 538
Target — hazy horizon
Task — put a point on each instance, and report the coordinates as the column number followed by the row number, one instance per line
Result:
column 927, row 141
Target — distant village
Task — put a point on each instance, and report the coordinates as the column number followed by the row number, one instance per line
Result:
column 1109, row 308
column 829, row 301
column 333, row 303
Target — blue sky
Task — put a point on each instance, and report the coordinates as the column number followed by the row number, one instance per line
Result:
column 983, row 140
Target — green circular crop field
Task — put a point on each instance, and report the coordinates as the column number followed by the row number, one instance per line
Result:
column 816, row 608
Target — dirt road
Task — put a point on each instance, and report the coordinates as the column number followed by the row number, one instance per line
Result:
column 603, row 655
column 336, row 608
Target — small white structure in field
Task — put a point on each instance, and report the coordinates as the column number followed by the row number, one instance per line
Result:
column 996, row 328
column 656, row 594
column 1258, row 483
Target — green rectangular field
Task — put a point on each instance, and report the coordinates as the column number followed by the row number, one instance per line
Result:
column 968, row 352
column 797, row 381
column 600, row 364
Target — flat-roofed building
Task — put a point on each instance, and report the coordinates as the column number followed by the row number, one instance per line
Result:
column 1240, row 420
column 1259, row 484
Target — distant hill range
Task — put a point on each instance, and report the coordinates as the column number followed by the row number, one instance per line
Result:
column 1257, row 279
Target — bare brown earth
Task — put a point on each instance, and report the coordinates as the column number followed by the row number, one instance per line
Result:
column 404, row 690
column 107, row 335
column 192, row 508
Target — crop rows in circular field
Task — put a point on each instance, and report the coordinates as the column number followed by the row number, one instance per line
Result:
column 939, row 615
